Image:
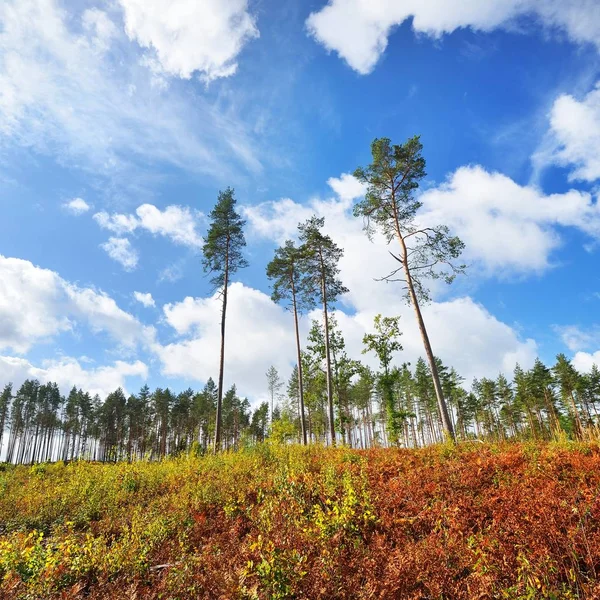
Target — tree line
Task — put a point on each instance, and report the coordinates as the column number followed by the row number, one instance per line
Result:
column 395, row 405
column 330, row 396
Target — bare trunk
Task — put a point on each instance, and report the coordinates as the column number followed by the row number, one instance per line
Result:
column 328, row 366
column 428, row 351
column 299, row 358
column 222, row 358
column 449, row 430
column 327, row 356
column 578, row 426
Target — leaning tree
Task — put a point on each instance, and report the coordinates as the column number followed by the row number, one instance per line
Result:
column 391, row 207
column 222, row 258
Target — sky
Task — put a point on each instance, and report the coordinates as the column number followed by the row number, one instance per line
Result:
column 120, row 121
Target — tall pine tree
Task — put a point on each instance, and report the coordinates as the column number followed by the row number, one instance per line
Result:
column 320, row 258
column 390, row 207
column 222, row 258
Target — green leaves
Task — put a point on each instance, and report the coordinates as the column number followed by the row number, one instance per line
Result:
column 391, row 207
column 288, row 278
column 319, row 261
column 225, row 240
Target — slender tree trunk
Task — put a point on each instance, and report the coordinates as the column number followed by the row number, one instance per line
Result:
column 222, row 359
column 578, row 425
column 428, row 351
column 328, row 365
column 299, row 358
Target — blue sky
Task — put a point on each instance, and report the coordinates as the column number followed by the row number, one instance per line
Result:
column 120, row 120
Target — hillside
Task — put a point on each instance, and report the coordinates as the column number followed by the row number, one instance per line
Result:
column 477, row 521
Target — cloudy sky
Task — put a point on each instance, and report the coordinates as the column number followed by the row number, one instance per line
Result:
column 120, row 120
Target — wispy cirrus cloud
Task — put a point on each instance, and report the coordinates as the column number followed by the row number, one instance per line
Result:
column 89, row 101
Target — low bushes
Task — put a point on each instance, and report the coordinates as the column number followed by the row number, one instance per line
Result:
column 476, row 521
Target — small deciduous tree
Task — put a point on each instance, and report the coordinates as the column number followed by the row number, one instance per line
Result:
column 390, row 207
column 274, row 385
column 384, row 343
column 222, row 258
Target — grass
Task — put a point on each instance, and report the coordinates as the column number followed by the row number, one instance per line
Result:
column 511, row 521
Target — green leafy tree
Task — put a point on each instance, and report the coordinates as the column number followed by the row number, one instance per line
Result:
column 222, row 258
column 384, row 343
column 320, row 258
column 274, row 385
column 260, row 421
column 390, row 207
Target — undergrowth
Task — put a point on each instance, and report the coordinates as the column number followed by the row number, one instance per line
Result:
column 516, row 521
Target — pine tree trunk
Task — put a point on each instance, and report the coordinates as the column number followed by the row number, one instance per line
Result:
column 299, row 358
column 222, row 358
column 430, row 357
column 428, row 351
column 328, row 366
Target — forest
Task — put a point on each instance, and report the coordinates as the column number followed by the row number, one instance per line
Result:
column 329, row 397
column 351, row 480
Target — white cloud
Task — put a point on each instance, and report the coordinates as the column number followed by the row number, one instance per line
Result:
column 574, row 136
column 347, row 187
column 36, row 305
column 72, row 87
column 178, row 223
column 146, row 299
column 117, row 223
column 188, row 36
column 358, row 30
column 506, row 227
column 584, row 361
column 487, row 346
column 258, row 334
column 30, row 304
column 172, row 272
column 68, row 372
column 121, row 250
column 577, row 339
column 77, row 206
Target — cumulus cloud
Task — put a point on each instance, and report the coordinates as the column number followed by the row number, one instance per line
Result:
column 487, row 345
column 574, row 136
column 186, row 36
column 73, row 87
column 584, row 361
column 77, row 206
column 121, row 250
column 68, row 372
column 178, row 223
column 358, row 30
column 36, row 305
column 506, row 227
column 347, row 187
column 258, row 334
column 146, row 299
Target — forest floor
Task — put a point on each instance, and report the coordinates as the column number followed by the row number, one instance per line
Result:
column 474, row 521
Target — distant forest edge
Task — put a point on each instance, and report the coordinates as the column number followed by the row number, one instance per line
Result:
column 38, row 424
column 330, row 397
